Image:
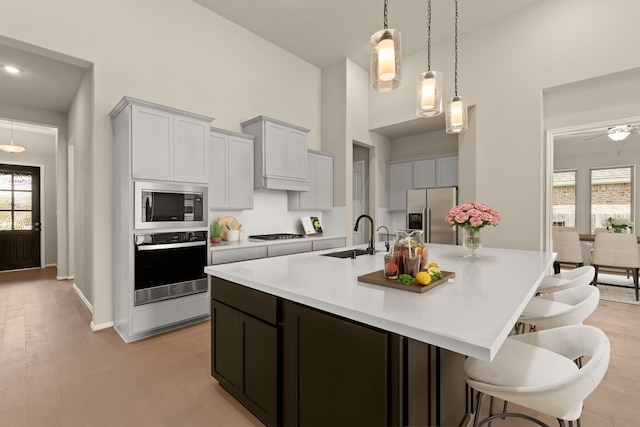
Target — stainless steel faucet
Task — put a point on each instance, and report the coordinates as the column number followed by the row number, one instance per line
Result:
column 370, row 249
column 386, row 240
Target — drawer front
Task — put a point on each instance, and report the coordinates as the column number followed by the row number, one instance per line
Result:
column 164, row 313
column 255, row 303
column 339, row 242
column 289, row 248
column 234, row 255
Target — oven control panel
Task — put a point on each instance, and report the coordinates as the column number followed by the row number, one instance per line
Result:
column 167, row 238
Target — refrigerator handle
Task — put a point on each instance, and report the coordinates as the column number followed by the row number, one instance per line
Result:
column 426, row 214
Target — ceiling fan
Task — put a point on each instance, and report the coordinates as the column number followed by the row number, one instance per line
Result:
column 617, row 133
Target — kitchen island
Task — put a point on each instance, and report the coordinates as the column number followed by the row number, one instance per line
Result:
column 307, row 329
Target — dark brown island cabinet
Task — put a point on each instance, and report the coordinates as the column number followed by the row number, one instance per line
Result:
column 292, row 365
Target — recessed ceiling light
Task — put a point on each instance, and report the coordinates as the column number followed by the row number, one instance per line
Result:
column 11, row 69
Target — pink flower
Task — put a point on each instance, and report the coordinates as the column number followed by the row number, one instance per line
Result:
column 475, row 221
column 472, row 214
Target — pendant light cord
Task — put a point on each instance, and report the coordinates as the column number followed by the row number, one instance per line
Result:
column 386, row 24
column 428, row 35
column 456, row 52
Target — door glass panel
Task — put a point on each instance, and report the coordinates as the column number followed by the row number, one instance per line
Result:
column 5, row 181
column 22, row 221
column 5, row 200
column 22, row 200
column 564, row 198
column 22, row 181
column 5, row 220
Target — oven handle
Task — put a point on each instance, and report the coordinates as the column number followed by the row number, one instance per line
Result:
column 170, row 246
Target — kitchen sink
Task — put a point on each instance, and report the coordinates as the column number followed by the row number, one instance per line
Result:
column 350, row 253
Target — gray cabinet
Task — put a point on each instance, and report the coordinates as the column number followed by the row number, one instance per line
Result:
column 319, row 245
column 289, row 248
column 239, row 254
column 399, row 180
column 320, row 194
column 166, row 144
column 421, row 173
column 424, row 173
column 231, row 170
column 447, row 171
column 280, row 153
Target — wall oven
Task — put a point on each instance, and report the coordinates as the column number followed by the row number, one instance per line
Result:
column 169, row 265
column 169, row 205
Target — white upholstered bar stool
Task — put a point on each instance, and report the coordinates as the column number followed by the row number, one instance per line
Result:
column 567, row 279
column 566, row 243
column 618, row 251
column 567, row 307
column 538, row 371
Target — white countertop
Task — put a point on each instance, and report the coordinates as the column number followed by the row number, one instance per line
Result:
column 471, row 315
column 252, row 243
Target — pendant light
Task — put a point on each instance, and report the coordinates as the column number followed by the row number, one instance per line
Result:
column 429, row 83
column 456, row 108
column 11, row 148
column 386, row 55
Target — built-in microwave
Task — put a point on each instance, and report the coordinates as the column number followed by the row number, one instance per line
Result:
column 169, row 205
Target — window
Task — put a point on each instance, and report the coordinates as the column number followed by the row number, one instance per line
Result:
column 611, row 194
column 564, row 198
column 15, row 200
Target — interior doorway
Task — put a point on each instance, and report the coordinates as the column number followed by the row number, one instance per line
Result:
column 358, row 200
column 19, row 217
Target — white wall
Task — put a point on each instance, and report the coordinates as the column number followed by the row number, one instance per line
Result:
column 170, row 52
column 504, row 69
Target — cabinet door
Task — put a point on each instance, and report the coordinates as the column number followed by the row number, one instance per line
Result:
column 218, row 166
column 226, row 346
column 309, row 199
column 240, row 173
column 334, row 371
column 190, row 150
column 424, row 173
column 275, row 148
column 400, row 180
column 152, row 144
column 447, row 171
column 324, row 180
column 296, row 154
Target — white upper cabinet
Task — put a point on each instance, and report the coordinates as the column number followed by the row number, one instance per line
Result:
column 320, row 175
column 421, row 173
column 400, row 179
column 447, row 169
column 166, row 144
column 280, row 152
column 231, row 170
column 424, row 173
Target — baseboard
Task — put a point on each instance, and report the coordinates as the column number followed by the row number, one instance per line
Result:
column 105, row 325
column 65, row 277
column 82, row 297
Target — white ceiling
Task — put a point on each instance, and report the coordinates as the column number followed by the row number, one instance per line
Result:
column 323, row 32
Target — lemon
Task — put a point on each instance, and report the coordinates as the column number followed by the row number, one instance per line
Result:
column 433, row 265
column 423, row 278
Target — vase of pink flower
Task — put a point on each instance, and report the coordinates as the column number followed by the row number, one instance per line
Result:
column 472, row 217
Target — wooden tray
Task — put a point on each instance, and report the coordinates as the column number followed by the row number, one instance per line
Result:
column 377, row 278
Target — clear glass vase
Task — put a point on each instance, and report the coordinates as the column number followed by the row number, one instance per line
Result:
column 471, row 241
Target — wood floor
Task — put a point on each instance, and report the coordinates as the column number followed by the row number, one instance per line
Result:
column 54, row 371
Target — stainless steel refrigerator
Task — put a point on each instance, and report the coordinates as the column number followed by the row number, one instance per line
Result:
column 426, row 209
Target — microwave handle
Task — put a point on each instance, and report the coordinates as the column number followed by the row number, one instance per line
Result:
column 148, row 208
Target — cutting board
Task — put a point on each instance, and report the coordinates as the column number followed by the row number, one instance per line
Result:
column 377, row 278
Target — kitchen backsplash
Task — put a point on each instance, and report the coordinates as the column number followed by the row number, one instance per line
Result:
column 270, row 215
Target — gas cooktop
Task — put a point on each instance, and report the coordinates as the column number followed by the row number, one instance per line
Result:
column 277, row 236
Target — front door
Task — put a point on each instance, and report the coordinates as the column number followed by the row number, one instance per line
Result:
column 19, row 217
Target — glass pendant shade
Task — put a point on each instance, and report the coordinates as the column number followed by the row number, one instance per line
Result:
column 456, row 115
column 11, row 148
column 429, row 94
column 618, row 134
column 386, row 53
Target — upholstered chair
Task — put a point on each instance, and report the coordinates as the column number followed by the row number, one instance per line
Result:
column 617, row 251
column 566, row 243
column 567, row 279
